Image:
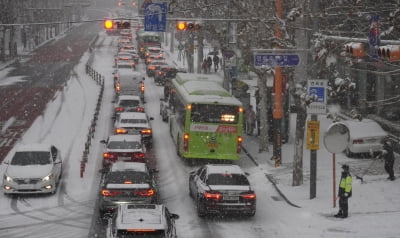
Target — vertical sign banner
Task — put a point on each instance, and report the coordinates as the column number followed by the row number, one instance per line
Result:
column 317, row 89
column 313, row 135
column 373, row 37
column 155, row 17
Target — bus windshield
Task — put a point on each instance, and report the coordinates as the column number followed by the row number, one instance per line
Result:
column 210, row 113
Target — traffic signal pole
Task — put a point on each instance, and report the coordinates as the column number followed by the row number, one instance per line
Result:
column 277, row 112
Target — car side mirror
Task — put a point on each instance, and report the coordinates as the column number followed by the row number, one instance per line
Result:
column 151, row 118
column 103, row 141
column 6, row 162
column 174, row 216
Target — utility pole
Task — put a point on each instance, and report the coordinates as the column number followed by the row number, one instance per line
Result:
column 277, row 111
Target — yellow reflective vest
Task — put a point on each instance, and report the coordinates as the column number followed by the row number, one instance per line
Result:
column 345, row 185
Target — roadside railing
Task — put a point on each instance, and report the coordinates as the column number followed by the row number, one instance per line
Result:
column 92, row 128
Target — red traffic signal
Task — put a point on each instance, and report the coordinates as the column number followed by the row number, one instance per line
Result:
column 389, row 52
column 108, row 24
column 356, row 49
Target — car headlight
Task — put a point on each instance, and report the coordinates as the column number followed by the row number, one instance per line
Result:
column 7, row 178
column 48, row 177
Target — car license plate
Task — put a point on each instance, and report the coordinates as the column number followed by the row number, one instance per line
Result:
column 123, row 158
column 231, row 198
column 212, row 145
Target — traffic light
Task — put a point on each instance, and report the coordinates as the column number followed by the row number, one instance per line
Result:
column 389, row 52
column 108, row 24
column 356, row 49
column 181, row 26
column 122, row 24
column 191, row 26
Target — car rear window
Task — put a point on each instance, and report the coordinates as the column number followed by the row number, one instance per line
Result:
column 129, row 103
column 132, row 233
column 119, row 177
column 227, row 179
column 124, row 145
column 134, row 121
column 31, row 158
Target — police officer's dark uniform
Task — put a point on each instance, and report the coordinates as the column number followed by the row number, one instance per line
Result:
column 389, row 159
column 345, row 191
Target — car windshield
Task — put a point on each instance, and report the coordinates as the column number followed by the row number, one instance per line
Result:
column 31, row 158
column 227, row 179
column 120, row 177
column 124, row 145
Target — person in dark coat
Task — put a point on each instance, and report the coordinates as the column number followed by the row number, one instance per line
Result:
column 216, row 62
column 209, row 61
column 345, row 191
column 388, row 156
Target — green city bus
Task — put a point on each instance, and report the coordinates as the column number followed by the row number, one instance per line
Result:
column 205, row 120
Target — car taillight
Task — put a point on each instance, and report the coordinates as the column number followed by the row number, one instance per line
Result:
column 140, row 109
column 239, row 144
column 109, row 156
column 118, row 87
column 358, row 141
column 121, row 131
column 152, row 68
column 145, row 193
column 146, row 131
column 186, row 142
column 213, row 195
column 109, row 193
column 138, row 155
column 160, row 73
column 142, row 87
column 250, row 195
column 119, row 109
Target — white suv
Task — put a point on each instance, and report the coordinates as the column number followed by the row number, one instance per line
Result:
column 142, row 220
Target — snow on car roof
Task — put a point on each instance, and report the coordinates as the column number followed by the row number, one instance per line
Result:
column 34, row 147
column 132, row 115
column 217, row 169
column 133, row 166
column 148, row 216
column 122, row 137
column 129, row 97
column 364, row 128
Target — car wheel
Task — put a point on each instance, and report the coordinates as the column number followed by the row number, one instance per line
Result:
column 349, row 153
column 252, row 213
column 201, row 208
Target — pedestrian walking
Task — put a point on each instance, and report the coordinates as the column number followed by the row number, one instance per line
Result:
column 209, row 61
column 204, row 66
column 345, row 191
column 250, row 117
column 388, row 156
column 216, row 62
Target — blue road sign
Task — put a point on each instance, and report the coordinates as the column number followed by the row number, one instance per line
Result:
column 317, row 87
column 319, row 91
column 155, row 17
column 275, row 60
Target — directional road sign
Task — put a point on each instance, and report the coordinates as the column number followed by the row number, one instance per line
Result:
column 276, row 60
column 155, row 18
column 317, row 89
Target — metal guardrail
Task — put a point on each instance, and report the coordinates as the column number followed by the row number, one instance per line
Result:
column 92, row 128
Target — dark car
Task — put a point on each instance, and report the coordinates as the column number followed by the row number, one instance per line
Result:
column 153, row 66
column 222, row 189
column 128, row 148
column 142, row 220
column 164, row 73
column 127, row 183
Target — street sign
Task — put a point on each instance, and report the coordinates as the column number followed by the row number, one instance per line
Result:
column 317, row 89
column 313, row 135
column 155, row 18
column 276, row 60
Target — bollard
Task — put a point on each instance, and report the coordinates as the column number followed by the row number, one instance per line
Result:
column 82, row 168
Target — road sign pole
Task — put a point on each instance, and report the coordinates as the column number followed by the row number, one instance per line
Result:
column 313, row 166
